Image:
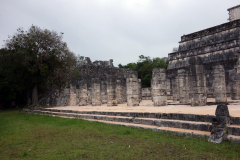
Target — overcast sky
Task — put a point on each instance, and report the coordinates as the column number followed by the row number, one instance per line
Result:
column 115, row 29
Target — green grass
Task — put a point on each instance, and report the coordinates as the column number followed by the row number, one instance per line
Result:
column 34, row 136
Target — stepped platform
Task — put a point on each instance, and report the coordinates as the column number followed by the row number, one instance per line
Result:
column 177, row 118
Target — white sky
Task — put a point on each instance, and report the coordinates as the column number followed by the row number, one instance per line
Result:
column 115, row 29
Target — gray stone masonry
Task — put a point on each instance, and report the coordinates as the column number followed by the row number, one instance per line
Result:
column 159, row 88
column 146, row 94
column 183, row 86
column 219, row 84
column 140, row 89
column 219, row 124
column 235, row 87
column 197, row 81
column 175, row 89
column 83, row 94
column 104, row 97
column 111, row 91
column 73, row 97
column 132, row 84
column 96, row 92
column 119, row 94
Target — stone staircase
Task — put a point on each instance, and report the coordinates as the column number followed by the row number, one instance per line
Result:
column 180, row 124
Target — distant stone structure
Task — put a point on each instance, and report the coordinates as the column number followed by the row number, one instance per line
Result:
column 98, row 83
column 234, row 13
column 207, row 63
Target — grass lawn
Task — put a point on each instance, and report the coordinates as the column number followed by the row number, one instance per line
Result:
column 34, row 136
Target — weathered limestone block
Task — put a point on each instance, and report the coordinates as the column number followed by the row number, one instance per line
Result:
column 104, row 97
column 96, row 93
column 219, row 84
column 159, row 88
column 169, row 91
column 132, row 84
column 89, row 94
column 197, row 82
column 111, row 91
column 235, row 84
column 119, row 90
column 175, row 89
column 183, row 86
column 146, row 94
column 219, row 124
column 72, row 100
column 124, row 90
column 140, row 89
column 83, row 94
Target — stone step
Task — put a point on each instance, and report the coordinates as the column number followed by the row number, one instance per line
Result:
column 162, row 125
column 234, row 130
column 177, row 131
column 201, row 126
column 174, row 116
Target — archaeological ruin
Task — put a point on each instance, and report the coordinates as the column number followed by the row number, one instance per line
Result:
column 206, row 65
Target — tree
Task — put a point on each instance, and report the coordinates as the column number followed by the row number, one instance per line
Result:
column 41, row 55
column 144, row 66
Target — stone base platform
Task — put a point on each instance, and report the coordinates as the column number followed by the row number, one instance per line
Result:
column 175, row 118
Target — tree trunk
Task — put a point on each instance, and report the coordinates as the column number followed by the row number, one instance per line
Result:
column 35, row 95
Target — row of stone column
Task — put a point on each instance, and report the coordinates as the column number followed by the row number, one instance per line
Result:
column 111, row 91
column 189, row 86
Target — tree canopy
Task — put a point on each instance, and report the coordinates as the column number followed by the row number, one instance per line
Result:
column 32, row 61
column 144, row 66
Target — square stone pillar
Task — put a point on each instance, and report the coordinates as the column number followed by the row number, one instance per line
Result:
column 219, row 84
column 159, row 87
column 83, row 94
column 235, row 84
column 175, row 89
column 197, row 86
column 183, row 86
column 132, row 84
column 104, row 97
column 119, row 90
column 140, row 89
column 111, row 91
column 124, row 90
column 96, row 93
column 73, row 97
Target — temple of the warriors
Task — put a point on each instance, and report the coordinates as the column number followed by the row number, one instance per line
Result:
column 206, row 65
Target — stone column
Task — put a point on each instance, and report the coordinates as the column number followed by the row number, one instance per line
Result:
column 183, row 86
column 119, row 90
column 111, row 91
column 104, row 97
column 175, row 89
column 132, row 89
column 124, row 90
column 83, row 94
column 73, row 97
column 197, row 83
column 96, row 93
column 219, row 84
column 159, row 87
column 235, row 84
column 89, row 94
column 140, row 89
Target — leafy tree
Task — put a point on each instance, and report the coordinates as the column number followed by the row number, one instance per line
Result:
column 38, row 59
column 144, row 66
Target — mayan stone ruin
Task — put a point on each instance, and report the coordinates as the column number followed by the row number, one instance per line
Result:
column 206, row 65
